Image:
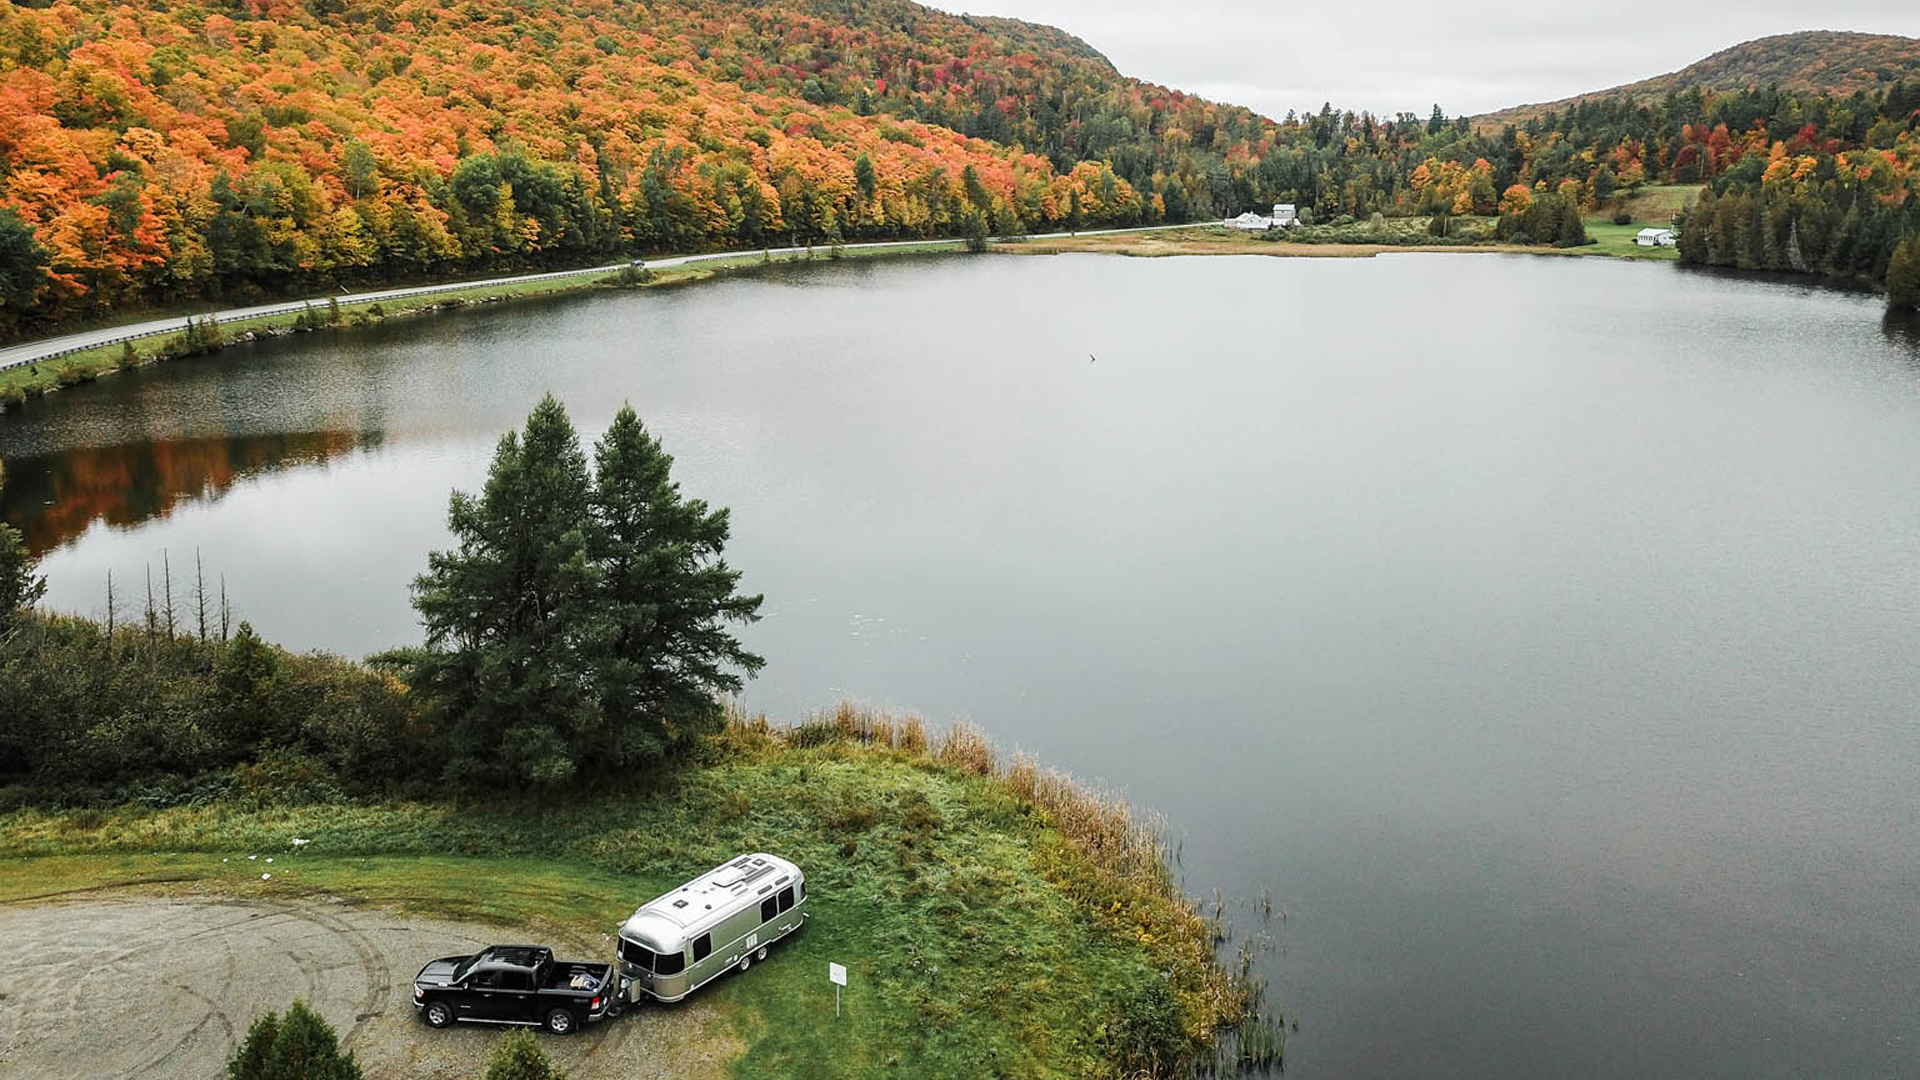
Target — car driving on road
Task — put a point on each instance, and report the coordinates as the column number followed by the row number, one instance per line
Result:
column 514, row 984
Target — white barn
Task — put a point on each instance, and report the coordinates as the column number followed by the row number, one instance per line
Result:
column 1652, row 237
column 1284, row 217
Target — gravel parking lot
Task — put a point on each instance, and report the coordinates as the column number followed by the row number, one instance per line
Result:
column 154, row 987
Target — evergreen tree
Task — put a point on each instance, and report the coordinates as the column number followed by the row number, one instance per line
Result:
column 864, row 178
column 579, row 627
column 299, row 1046
column 23, row 264
column 244, row 682
column 1695, row 228
column 507, row 612
column 1572, row 229
column 518, row 1056
column 1903, row 276
column 973, row 229
column 20, row 587
column 249, row 1062
column 665, row 597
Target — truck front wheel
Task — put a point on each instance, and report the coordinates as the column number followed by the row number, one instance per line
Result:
column 560, row 1021
column 437, row 1014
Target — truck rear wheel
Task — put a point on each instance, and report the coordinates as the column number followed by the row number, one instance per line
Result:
column 560, row 1022
column 437, row 1014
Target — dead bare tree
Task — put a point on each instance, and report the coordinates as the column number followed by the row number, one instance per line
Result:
column 226, row 613
column 153, row 617
column 200, row 594
column 166, row 586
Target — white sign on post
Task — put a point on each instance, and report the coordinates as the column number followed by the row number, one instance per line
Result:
column 839, row 976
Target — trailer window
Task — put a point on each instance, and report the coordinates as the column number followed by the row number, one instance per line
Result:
column 636, row 954
column 803, row 888
column 769, row 909
column 702, row 945
column 667, row 963
column 786, row 898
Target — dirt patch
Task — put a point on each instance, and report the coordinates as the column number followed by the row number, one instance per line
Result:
column 142, row 986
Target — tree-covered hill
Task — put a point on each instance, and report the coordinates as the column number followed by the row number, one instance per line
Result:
column 1811, row 61
column 155, row 151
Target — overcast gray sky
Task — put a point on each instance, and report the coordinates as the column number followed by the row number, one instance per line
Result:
column 1395, row 55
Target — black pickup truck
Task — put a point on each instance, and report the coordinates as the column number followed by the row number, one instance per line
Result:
column 514, row 984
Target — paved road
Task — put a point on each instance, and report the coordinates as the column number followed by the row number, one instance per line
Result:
column 54, row 347
column 148, row 987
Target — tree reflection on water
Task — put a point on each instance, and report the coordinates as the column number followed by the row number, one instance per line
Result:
column 55, row 498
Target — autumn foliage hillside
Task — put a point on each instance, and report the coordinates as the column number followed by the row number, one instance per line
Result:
column 1812, row 61
column 155, row 151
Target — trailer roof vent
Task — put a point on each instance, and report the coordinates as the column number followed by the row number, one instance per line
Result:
column 734, row 873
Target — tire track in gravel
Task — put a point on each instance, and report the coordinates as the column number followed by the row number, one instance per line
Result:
column 131, row 985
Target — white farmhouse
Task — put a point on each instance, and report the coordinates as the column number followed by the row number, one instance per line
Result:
column 1651, row 237
column 1284, row 217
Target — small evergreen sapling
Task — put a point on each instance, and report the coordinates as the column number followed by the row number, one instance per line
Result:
column 298, row 1046
column 1903, row 276
column 518, row 1056
column 20, row 587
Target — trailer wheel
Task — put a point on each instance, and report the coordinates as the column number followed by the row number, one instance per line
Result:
column 762, row 954
column 746, row 962
column 560, row 1021
column 437, row 1014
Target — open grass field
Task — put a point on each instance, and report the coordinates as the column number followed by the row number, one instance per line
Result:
column 1655, row 204
column 995, row 921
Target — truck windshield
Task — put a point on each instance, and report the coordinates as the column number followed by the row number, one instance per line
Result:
column 465, row 967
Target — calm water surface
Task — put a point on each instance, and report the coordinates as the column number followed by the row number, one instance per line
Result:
column 1540, row 632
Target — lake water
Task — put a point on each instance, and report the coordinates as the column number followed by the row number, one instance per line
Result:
column 1541, row 632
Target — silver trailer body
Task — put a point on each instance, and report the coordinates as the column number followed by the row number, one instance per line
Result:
column 721, row 920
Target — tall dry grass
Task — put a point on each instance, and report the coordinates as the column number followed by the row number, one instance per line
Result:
column 1120, row 863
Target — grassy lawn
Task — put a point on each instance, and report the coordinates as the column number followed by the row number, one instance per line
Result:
column 1617, row 240
column 982, row 935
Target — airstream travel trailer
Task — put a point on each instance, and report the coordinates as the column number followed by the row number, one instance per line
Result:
column 721, row 920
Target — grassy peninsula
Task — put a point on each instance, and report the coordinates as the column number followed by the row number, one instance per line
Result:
column 997, row 919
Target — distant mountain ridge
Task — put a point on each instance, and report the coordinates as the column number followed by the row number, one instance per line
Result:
column 1822, row 61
